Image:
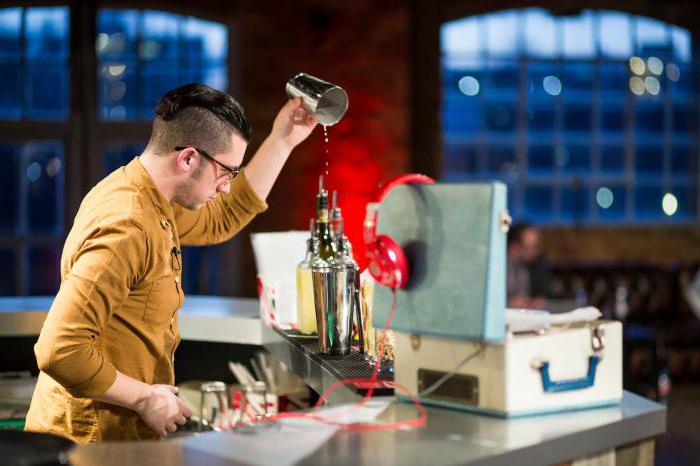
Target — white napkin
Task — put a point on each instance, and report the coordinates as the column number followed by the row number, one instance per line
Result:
column 529, row 320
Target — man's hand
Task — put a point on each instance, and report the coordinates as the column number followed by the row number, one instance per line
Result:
column 292, row 124
column 161, row 409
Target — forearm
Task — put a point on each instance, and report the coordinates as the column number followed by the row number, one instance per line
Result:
column 262, row 171
column 126, row 392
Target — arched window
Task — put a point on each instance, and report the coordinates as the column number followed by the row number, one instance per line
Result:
column 589, row 119
column 54, row 146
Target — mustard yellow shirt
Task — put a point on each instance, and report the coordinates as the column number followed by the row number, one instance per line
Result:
column 117, row 304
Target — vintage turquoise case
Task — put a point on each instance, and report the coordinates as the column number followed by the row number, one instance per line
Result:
column 454, row 236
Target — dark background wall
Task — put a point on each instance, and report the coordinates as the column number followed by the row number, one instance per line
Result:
column 386, row 55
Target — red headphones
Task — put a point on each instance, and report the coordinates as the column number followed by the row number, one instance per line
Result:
column 387, row 261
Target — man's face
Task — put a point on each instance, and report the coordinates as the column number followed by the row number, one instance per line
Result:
column 530, row 247
column 204, row 179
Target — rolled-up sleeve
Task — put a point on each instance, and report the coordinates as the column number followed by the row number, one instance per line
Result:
column 101, row 274
column 218, row 221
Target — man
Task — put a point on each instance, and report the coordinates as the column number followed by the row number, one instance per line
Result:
column 528, row 276
column 106, row 348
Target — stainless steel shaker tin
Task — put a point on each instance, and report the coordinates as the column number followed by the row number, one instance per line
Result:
column 334, row 298
column 326, row 101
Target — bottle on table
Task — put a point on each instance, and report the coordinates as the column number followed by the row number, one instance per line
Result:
column 306, row 309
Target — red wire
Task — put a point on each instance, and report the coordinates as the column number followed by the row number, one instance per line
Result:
column 418, row 421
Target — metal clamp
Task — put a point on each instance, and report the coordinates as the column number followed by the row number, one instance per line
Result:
column 597, row 339
column 504, row 221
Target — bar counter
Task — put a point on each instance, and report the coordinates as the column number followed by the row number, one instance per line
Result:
column 202, row 318
column 448, row 437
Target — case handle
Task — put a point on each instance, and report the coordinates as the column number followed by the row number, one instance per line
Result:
column 551, row 386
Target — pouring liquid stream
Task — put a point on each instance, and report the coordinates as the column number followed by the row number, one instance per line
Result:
column 325, row 139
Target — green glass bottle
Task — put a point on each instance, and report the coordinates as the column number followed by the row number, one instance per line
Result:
column 326, row 245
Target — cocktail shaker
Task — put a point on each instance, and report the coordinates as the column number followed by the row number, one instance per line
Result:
column 326, row 101
column 336, row 300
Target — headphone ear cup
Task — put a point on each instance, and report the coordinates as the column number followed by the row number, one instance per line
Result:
column 388, row 264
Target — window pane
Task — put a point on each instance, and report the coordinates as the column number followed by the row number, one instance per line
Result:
column 577, row 117
column 8, row 278
column 459, row 161
column 649, row 161
column 462, row 115
column 10, row 91
column 204, row 42
column 647, row 202
column 214, row 76
column 541, row 117
column 538, row 203
column 540, row 33
column 119, row 153
column 615, row 35
column 681, row 43
column 47, row 34
column 461, row 37
column 577, row 77
column 541, row 159
column 612, row 159
column 500, row 161
column 117, row 34
column 43, row 170
column 687, row 201
column 9, row 180
column 611, row 201
column 684, row 162
column 543, row 81
column 575, row 159
column 649, row 117
column 47, row 96
column 681, row 86
column 118, row 91
column 684, row 120
column 612, row 118
column 9, row 33
column 578, row 36
column 43, row 270
column 501, row 116
column 574, row 203
column 651, row 37
column 614, row 79
column 502, row 33
column 160, row 36
column 155, row 81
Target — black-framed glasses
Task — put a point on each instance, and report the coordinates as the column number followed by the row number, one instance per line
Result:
column 231, row 172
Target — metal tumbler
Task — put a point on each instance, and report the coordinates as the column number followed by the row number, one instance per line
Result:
column 334, row 298
column 326, row 101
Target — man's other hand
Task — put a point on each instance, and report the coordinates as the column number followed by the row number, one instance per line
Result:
column 162, row 410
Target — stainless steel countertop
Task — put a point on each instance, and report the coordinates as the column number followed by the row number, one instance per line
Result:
column 202, row 318
column 448, row 438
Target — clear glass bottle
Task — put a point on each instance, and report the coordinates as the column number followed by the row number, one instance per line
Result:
column 306, row 308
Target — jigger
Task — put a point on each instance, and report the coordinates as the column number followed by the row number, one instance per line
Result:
column 327, row 102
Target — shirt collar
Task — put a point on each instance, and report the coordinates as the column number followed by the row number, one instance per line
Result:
column 137, row 174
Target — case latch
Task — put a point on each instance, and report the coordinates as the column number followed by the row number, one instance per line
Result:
column 597, row 339
column 504, row 221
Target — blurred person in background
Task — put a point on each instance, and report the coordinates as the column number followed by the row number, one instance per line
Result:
column 528, row 275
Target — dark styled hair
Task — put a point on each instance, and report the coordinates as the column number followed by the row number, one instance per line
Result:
column 197, row 115
column 515, row 233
